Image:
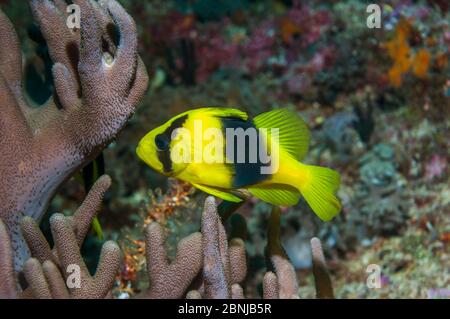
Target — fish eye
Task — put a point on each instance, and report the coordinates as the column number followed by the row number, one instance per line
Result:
column 162, row 142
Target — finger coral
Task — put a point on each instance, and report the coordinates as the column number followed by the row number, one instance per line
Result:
column 278, row 260
column 98, row 83
column 48, row 273
column 97, row 286
column 48, row 281
column 80, row 223
column 207, row 262
column 171, row 280
column 225, row 264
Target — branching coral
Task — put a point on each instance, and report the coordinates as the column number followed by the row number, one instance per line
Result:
column 98, row 85
column 207, row 250
column 160, row 207
column 45, row 281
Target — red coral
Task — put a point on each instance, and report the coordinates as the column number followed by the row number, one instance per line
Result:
column 259, row 47
column 214, row 51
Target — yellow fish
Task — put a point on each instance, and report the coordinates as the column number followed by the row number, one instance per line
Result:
column 224, row 153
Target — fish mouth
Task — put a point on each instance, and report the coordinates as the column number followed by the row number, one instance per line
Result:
column 143, row 151
column 140, row 151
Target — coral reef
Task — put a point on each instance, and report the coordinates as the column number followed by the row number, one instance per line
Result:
column 224, row 264
column 80, row 222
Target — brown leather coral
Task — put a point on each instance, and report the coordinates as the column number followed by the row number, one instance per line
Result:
column 97, row 88
column 278, row 261
column 171, row 279
column 225, row 268
column 8, row 284
column 80, row 223
column 225, row 265
column 48, row 281
column 46, row 273
column 221, row 263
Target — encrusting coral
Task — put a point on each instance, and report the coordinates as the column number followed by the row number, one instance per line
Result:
column 97, row 86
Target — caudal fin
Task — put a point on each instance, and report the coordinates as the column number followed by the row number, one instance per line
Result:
column 319, row 190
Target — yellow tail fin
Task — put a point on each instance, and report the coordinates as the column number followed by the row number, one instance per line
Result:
column 319, row 188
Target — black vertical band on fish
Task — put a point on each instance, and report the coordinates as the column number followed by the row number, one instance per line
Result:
column 246, row 173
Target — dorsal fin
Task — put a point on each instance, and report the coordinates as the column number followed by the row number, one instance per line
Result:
column 222, row 112
column 293, row 133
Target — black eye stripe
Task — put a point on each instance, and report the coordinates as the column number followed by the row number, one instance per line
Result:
column 174, row 125
column 164, row 158
column 163, row 139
